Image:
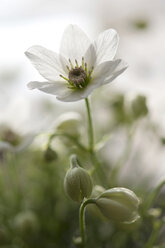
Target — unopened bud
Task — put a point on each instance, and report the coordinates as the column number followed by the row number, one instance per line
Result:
column 119, row 205
column 139, row 106
column 77, row 182
column 50, row 155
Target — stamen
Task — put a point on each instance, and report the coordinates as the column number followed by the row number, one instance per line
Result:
column 90, row 72
column 76, row 63
column 71, row 63
column 78, row 76
column 71, row 87
column 64, row 78
column 67, row 67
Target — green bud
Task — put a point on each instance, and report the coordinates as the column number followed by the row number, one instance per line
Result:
column 77, row 182
column 162, row 139
column 139, row 107
column 140, row 24
column 119, row 205
column 50, row 155
column 117, row 104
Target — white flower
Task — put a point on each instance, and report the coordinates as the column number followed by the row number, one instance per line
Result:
column 12, row 142
column 80, row 67
column 6, row 146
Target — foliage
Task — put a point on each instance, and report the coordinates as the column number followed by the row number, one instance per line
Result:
column 35, row 211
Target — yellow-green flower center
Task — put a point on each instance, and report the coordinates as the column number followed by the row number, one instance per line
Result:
column 78, row 76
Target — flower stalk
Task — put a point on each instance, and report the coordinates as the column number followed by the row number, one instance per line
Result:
column 90, row 126
column 153, row 196
column 82, row 221
column 154, row 234
column 68, row 136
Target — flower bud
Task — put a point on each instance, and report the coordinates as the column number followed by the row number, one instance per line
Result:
column 77, row 182
column 50, row 155
column 119, row 204
column 139, row 107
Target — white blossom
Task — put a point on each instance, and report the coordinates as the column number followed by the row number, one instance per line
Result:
column 80, row 67
column 26, row 141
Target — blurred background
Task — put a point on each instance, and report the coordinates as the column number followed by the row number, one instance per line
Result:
column 141, row 26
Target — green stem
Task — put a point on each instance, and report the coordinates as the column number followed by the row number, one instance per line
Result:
column 90, row 126
column 96, row 163
column 98, row 169
column 154, row 235
column 73, row 139
column 82, row 220
column 152, row 196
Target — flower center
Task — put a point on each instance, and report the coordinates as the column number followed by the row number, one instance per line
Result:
column 78, row 76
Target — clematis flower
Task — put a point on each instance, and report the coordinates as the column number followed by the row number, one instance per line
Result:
column 81, row 66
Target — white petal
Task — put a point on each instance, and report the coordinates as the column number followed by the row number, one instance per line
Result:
column 105, row 69
column 74, row 43
column 75, row 95
column 120, row 68
column 35, row 84
column 106, row 45
column 90, row 57
column 104, row 74
column 72, row 96
column 48, row 63
column 58, row 88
